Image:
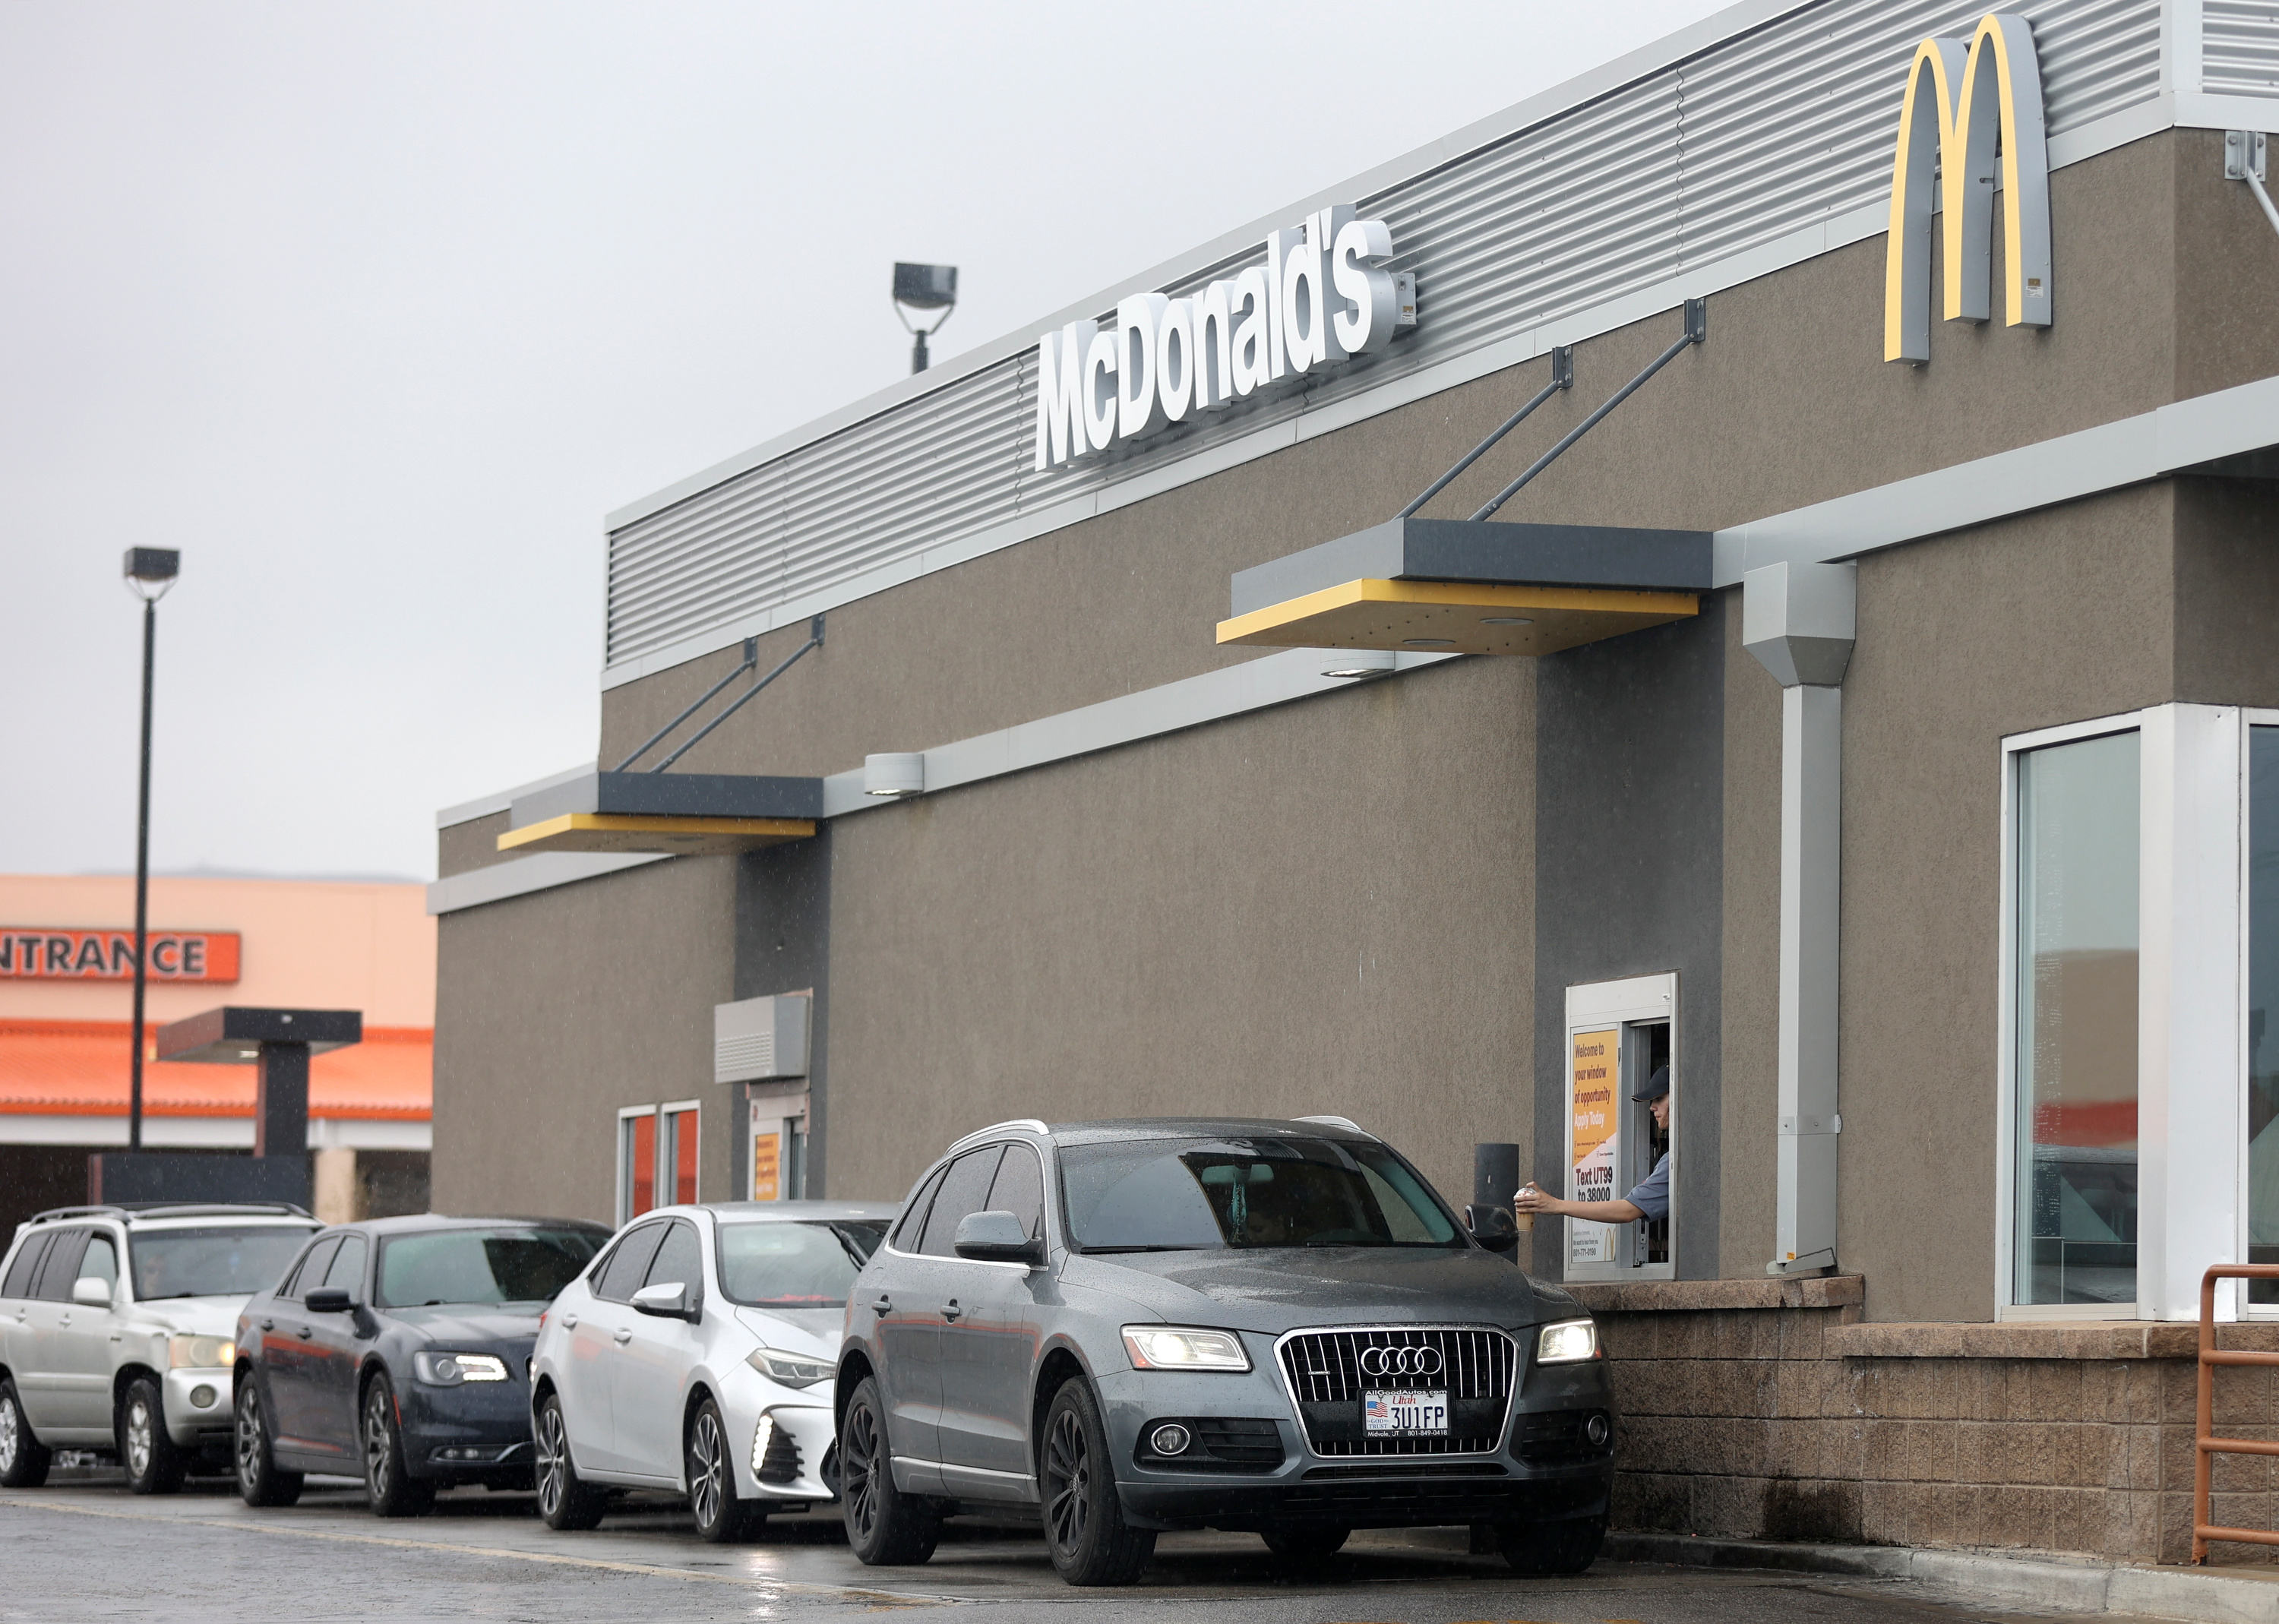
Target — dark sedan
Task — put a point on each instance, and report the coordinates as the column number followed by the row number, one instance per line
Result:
column 400, row 1347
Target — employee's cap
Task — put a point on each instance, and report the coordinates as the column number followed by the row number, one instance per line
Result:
column 1656, row 1085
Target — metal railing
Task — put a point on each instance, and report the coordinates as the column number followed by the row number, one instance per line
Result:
column 2206, row 1445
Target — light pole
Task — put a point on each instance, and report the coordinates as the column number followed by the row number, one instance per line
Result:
column 150, row 572
column 924, row 287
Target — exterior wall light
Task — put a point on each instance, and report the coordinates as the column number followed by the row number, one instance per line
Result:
column 924, row 287
column 1361, row 663
column 894, row 775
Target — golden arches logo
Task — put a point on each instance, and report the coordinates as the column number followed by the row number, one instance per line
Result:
column 1965, row 101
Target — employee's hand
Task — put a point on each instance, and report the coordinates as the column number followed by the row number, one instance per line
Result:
column 1530, row 1199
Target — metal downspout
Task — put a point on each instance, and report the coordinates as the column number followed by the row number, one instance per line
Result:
column 1800, row 620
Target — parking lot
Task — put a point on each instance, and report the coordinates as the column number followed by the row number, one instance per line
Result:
column 82, row 1548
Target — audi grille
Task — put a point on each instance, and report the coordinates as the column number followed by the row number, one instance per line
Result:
column 1328, row 1372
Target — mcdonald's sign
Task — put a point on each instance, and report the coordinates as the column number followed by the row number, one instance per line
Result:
column 1965, row 100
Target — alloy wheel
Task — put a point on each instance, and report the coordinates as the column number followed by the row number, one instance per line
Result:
column 858, row 1470
column 11, row 1424
column 553, row 1461
column 1067, row 1480
column 249, row 1439
column 705, row 1486
column 138, row 1437
column 377, row 1445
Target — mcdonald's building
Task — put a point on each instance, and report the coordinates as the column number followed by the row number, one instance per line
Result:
column 1758, row 566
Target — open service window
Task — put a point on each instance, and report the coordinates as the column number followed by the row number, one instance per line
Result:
column 779, row 1145
column 2139, row 957
column 1621, row 1037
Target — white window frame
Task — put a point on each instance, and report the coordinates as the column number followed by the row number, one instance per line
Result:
column 2231, row 1295
column 626, row 1114
column 1636, row 999
column 2191, row 1009
column 667, row 1172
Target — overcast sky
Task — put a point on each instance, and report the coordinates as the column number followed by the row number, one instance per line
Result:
column 374, row 309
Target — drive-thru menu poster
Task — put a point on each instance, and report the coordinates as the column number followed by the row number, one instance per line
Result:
column 1596, row 1072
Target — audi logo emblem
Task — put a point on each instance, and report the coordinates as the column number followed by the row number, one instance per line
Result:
column 1400, row 1361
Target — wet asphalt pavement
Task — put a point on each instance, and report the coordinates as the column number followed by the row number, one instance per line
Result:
column 82, row 1548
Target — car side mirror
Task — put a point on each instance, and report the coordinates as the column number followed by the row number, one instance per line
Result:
column 997, row 1238
column 328, row 1300
column 89, row 1292
column 1493, row 1226
column 669, row 1300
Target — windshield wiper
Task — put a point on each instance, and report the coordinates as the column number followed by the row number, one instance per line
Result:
column 1094, row 1250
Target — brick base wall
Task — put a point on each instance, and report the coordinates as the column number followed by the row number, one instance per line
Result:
column 1771, row 1410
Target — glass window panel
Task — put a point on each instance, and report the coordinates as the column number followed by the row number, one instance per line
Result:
column 680, row 1155
column 637, row 1146
column 2077, row 1000
column 2263, row 1006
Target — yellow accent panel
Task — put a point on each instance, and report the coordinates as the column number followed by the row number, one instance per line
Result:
column 685, row 837
column 1450, row 617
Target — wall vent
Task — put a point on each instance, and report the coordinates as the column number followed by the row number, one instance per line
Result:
column 757, row 1040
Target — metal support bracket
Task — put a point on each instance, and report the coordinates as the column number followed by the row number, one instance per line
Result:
column 1562, row 376
column 1697, row 330
column 2243, row 160
column 750, row 661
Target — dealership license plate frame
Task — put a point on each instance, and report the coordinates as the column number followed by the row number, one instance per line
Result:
column 1382, row 1408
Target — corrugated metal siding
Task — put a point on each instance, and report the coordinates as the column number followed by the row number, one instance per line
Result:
column 2239, row 47
column 1756, row 137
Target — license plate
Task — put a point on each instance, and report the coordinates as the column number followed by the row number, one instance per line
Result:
column 1404, row 1413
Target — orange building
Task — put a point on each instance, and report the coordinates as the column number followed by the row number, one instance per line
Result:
column 66, row 991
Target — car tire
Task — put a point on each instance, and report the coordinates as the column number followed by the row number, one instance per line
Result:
column 387, row 1477
column 1084, row 1530
column 155, row 1464
column 566, row 1501
column 884, row 1526
column 24, row 1460
column 1564, row 1547
column 1305, row 1540
column 721, row 1518
column 260, row 1480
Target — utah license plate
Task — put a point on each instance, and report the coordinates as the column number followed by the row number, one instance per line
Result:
column 1404, row 1412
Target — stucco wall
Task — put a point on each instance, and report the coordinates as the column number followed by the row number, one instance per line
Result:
column 556, row 1008
column 1321, row 908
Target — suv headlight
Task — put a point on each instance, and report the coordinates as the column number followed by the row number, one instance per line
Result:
column 1567, row 1341
column 200, row 1352
column 450, row 1369
column 1180, row 1347
column 788, row 1369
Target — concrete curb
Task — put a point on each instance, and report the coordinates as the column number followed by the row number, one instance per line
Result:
column 2082, row 1585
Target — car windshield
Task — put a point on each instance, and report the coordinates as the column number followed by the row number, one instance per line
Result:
column 211, row 1262
column 1191, row 1195
column 481, row 1266
column 801, row 1265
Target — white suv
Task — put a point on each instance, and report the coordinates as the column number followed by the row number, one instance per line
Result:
column 115, row 1332
column 696, row 1356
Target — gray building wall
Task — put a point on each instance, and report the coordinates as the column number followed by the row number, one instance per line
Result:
column 1358, row 903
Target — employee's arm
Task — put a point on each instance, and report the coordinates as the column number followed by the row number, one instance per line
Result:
column 1533, row 1200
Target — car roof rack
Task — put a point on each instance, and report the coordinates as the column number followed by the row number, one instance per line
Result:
column 1027, row 1124
column 166, row 1209
column 1337, row 1122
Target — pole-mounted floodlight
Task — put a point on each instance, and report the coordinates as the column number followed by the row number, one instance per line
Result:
column 924, row 287
column 150, row 572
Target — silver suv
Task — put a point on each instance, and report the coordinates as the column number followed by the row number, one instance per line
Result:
column 116, row 1327
column 1272, row 1326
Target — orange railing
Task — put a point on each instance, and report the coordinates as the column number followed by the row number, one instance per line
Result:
column 2207, row 1444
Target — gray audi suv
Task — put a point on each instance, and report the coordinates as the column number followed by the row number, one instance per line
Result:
column 1276, row 1327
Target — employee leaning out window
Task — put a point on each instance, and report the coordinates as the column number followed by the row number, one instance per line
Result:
column 1649, row 1199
